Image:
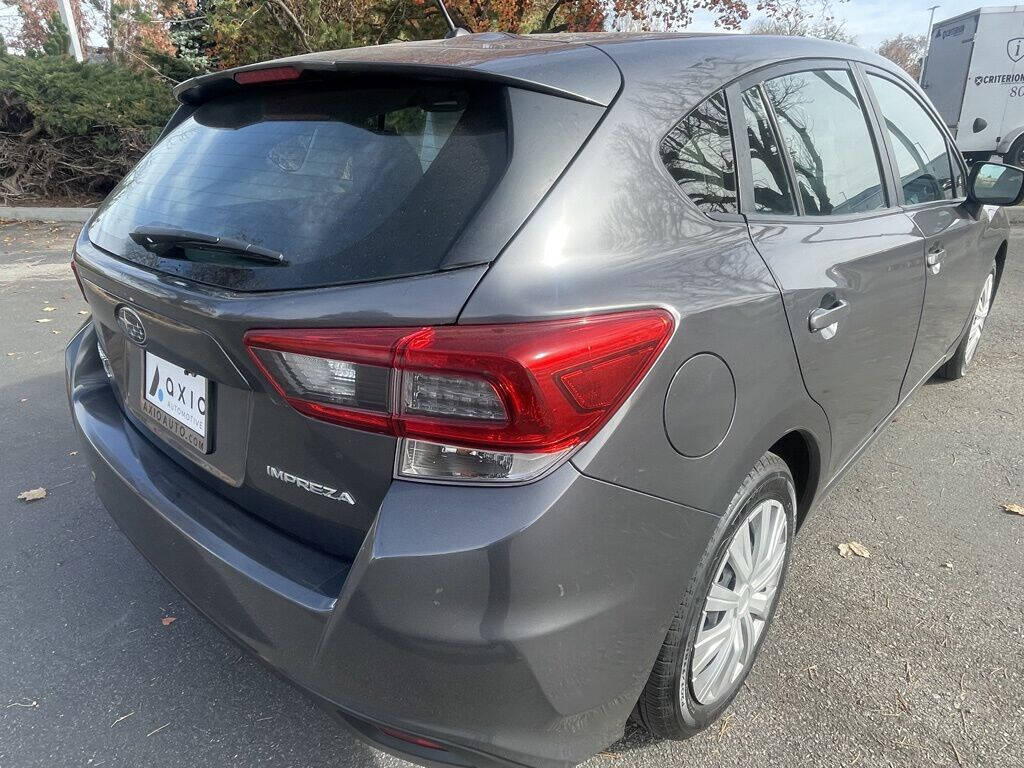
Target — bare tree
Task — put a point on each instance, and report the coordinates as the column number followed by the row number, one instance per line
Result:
column 906, row 50
column 817, row 18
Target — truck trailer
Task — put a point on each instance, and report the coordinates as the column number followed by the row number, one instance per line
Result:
column 974, row 74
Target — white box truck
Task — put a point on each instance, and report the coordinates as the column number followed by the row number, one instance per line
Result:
column 974, row 74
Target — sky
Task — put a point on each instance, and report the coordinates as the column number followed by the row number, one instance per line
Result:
column 871, row 21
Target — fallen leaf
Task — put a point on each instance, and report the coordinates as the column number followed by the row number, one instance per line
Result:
column 851, row 548
column 168, row 620
column 33, row 495
column 49, row 309
column 83, row 312
column 1014, row 509
column 45, row 320
column 54, row 332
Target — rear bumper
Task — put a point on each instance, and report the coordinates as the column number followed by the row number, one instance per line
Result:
column 516, row 626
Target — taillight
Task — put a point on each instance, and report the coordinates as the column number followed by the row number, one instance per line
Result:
column 470, row 402
column 267, row 75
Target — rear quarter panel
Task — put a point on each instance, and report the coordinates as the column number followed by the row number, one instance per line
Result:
column 615, row 232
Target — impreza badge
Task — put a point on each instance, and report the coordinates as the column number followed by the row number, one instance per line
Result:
column 308, row 485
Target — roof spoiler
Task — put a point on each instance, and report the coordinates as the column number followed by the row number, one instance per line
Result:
column 199, row 89
column 568, row 70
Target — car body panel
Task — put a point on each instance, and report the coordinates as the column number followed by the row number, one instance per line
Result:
column 459, row 595
column 639, row 242
column 875, row 264
column 515, row 625
column 951, row 295
column 251, row 428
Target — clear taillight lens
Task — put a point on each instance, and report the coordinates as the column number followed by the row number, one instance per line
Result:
column 338, row 382
column 482, row 403
column 420, row 459
column 458, row 397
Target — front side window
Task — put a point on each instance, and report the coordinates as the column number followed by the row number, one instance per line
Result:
column 769, row 178
column 698, row 154
column 918, row 144
column 826, row 134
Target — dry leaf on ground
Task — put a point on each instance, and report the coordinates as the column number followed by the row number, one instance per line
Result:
column 168, row 620
column 45, row 320
column 851, row 548
column 1014, row 509
column 83, row 312
column 49, row 309
column 33, row 495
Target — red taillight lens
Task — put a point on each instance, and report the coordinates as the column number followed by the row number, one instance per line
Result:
column 267, row 75
column 526, row 388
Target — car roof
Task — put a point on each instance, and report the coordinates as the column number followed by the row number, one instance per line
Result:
column 585, row 66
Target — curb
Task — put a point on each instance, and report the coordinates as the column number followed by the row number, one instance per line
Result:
column 50, row 215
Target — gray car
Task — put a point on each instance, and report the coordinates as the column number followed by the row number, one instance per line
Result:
column 480, row 386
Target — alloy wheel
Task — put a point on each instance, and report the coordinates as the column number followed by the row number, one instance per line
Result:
column 978, row 321
column 739, row 602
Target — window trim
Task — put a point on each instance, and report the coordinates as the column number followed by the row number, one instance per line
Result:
column 739, row 130
column 951, row 149
column 744, row 168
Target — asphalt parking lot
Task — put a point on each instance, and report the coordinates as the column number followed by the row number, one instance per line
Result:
column 912, row 657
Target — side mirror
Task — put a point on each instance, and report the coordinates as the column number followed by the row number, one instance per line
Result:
column 995, row 184
column 980, row 124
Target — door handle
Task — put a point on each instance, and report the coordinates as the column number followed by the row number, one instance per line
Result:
column 823, row 317
column 934, row 260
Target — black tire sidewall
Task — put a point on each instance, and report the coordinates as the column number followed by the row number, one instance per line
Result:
column 775, row 483
column 1013, row 156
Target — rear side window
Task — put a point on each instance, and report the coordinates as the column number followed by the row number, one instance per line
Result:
column 349, row 182
column 825, row 131
column 770, row 180
column 922, row 156
column 698, row 154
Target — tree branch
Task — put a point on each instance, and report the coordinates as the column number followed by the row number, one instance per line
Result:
column 288, row 12
column 550, row 16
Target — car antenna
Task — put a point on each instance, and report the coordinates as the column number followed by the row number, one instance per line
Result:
column 453, row 31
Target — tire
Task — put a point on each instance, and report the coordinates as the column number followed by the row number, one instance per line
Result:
column 958, row 365
column 670, row 706
column 1015, row 155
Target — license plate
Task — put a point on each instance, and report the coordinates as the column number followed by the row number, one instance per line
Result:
column 177, row 399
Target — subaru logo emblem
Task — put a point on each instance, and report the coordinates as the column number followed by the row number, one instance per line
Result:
column 132, row 325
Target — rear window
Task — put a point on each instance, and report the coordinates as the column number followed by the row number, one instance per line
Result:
column 347, row 183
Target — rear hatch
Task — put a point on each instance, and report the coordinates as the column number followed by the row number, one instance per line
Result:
column 315, row 202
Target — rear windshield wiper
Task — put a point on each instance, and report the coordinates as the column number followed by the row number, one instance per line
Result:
column 164, row 240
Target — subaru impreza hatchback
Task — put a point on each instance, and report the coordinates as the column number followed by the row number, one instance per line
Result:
column 479, row 386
